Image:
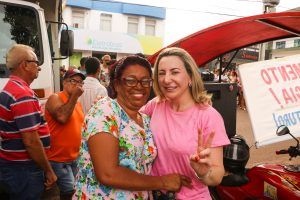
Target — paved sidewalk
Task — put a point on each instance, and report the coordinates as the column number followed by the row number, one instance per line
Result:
column 265, row 154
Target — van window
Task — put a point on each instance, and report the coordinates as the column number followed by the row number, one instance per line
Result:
column 18, row 24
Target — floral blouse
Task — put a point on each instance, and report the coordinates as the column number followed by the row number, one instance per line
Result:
column 137, row 150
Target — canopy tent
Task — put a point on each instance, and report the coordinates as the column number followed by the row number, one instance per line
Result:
column 212, row 42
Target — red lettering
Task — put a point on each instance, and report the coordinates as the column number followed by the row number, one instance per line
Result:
column 291, row 72
column 297, row 90
column 265, row 76
column 272, row 69
column 293, row 94
column 297, row 69
column 287, row 97
column 248, row 56
column 275, row 97
column 283, row 73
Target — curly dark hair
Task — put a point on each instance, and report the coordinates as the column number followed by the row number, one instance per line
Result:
column 118, row 68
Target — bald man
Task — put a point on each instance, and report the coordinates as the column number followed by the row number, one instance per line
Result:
column 24, row 169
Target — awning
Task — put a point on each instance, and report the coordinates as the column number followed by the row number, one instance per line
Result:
column 212, row 42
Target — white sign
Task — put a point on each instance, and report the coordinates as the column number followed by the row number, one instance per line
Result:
column 106, row 41
column 272, row 92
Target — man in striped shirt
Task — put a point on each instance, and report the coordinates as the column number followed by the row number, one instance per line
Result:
column 24, row 168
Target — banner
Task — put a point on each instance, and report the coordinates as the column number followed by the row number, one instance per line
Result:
column 94, row 40
column 272, row 93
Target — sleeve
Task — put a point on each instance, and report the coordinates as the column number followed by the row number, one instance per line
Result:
column 102, row 92
column 27, row 113
column 149, row 107
column 103, row 117
column 214, row 122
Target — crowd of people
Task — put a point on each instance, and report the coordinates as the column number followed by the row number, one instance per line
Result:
column 102, row 138
column 232, row 76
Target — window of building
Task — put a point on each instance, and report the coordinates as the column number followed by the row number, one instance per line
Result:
column 133, row 25
column 150, row 27
column 280, row 45
column 297, row 43
column 105, row 22
column 78, row 19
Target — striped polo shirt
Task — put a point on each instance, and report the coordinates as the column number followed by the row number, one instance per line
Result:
column 20, row 112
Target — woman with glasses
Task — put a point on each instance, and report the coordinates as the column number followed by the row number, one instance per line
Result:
column 117, row 148
column 188, row 132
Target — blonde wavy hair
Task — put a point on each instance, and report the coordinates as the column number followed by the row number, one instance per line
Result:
column 197, row 89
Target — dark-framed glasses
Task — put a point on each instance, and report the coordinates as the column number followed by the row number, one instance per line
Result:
column 132, row 82
column 33, row 61
column 75, row 82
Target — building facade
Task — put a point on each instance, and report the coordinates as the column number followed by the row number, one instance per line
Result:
column 285, row 47
column 114, row 28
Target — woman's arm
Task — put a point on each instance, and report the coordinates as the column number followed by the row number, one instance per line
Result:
column 214, row 173
column 104, row 151
column 207, row 162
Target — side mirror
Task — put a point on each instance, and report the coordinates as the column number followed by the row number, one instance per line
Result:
column 66, row 43
column 282, row 130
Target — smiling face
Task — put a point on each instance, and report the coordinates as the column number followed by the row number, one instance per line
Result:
column 129, row 96
column 173, row 79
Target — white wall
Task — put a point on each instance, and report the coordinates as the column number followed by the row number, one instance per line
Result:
column 119, row 21
column 67, row 15
column 289, row 49
column 283, row 53
column 289, row 43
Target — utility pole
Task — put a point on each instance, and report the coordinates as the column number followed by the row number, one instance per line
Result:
column 269, row 6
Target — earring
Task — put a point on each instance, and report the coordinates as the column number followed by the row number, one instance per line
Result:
column 190, row 84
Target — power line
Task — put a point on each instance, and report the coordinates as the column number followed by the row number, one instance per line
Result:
column 284, row 7
column 207, row 12
column 180, row 9
column 252, row 1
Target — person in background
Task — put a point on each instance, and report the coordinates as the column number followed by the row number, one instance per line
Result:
column 241, row 98
column 64, row 115
column 104, row 75
column 217, row 72
column 24, row 168
column 117, row 148
column 188, row 131
column 92, row 87
column 72, row 67
column 82, row 65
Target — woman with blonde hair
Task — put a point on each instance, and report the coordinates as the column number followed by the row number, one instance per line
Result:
column 188, row 131
column 117, row 149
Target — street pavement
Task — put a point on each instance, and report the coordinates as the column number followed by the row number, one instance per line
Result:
column 265, row 154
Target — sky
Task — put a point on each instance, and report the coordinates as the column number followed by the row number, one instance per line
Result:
column 184, row 17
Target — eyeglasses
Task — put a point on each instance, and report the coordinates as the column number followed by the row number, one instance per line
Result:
column 34, row 61
column 75, row 82
column 132, row 82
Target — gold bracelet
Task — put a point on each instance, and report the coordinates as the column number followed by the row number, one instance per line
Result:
column 201, row 178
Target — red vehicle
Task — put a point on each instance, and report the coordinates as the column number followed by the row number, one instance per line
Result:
column 266, row 181
column 262, row 181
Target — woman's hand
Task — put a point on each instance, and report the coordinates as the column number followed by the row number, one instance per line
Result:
column 201, row 161
column 173, row 182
